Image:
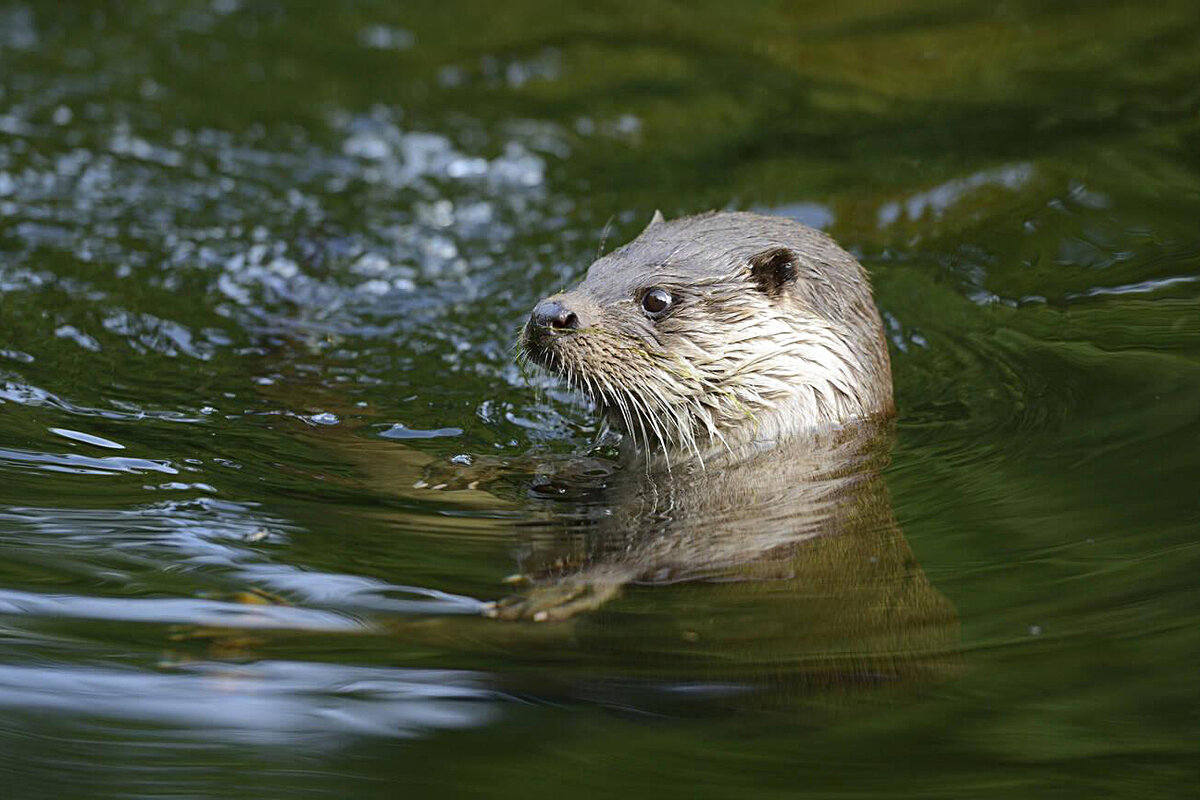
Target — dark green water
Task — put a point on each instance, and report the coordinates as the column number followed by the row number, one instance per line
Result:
column 261, row 265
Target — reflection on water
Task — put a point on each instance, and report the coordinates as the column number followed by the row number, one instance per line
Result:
column 789, row 569
column 269, row 704
column 265, row 455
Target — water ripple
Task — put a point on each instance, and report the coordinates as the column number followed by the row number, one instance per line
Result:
column 265, row 703
column 85, row 465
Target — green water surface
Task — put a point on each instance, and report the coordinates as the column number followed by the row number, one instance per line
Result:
column 261, row 268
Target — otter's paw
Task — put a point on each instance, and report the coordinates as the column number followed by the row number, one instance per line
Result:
column 560, row 600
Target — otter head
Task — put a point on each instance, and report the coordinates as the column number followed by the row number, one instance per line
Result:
column 719, row 331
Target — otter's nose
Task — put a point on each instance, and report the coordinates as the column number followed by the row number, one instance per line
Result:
column 553, row 314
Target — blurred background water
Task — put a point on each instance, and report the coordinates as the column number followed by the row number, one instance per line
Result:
column 261, row 266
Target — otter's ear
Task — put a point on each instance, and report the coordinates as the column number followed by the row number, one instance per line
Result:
column 657, row 219
column 773, row 269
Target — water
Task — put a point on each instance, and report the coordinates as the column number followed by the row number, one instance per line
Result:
column 260, row 271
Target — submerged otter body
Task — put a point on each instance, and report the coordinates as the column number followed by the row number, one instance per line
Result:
column 718, row 335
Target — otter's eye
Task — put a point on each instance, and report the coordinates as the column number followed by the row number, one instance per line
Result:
column 656, row 302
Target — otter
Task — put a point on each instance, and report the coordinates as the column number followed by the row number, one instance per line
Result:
column 717, row 335
column 744, row 357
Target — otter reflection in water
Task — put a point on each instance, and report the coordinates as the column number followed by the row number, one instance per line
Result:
column 788, row 563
